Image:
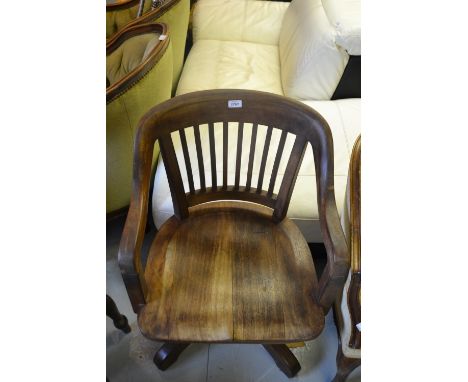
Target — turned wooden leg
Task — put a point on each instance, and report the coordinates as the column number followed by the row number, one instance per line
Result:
column 168, row 354
column 284, row 359
column 344, row 365
column 120, row 321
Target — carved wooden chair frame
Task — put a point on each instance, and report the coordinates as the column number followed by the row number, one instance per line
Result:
column 209, row 107
column 346, row 365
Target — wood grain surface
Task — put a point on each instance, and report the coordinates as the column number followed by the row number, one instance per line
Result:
column 228, row 273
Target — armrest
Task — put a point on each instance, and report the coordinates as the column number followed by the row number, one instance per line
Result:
column 234, row 20
column 336, row 271
column 355, row 206
column 354, row 298
column 129, row 256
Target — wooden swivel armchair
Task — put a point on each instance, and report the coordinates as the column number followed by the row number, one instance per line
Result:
column 229, row 267
column 347, row 307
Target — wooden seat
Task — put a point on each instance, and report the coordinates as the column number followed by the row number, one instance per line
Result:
column 228, row 273
column 229, row 266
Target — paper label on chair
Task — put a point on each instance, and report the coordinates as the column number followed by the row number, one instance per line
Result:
column 358, row 326
column 235, row 104
column 162, row 37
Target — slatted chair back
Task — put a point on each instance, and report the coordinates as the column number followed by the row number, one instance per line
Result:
column 228, row 109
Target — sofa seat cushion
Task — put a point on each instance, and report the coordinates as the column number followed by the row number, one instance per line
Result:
column 343, row 116
column 215, row 64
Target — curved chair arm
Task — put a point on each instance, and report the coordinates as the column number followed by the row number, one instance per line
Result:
column 129, row 256
column 334, row 275
column 354, row 296
column 355, row 207
column 338, row 260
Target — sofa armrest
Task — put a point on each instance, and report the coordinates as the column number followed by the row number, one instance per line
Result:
column 233, row 20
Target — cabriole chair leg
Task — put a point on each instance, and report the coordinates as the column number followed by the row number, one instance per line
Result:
column 344, row 365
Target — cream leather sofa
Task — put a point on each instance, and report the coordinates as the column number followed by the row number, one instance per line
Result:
column 294, row 49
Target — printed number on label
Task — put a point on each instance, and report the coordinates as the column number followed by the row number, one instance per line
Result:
column 235, row 104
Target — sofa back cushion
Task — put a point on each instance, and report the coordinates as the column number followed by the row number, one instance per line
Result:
column 345, row 16
column 311, row 62
column 129, row 55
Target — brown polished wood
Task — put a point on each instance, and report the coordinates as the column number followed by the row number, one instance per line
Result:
column 119, row 320
column 149, row 16
column 231, row 271
column 354, row 296
column 228, row 273
column 284, row 359
column 344, row 364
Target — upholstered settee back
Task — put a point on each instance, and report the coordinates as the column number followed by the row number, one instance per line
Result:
column 257, row 22
column 345, row 16
column 139, row 75
column 117, row 16
column 175, row 14
column 311, row 62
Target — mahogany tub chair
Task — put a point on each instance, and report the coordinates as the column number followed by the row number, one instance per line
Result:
column 120, row 12
column 138, row 74
column 228, row 266
column 347, row 307
column 174, row 13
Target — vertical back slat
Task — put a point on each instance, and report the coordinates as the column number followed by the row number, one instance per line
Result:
column 225, row 154
column 264, row 159
column 201, row 168
column 214, row 180
column 240, row 136
column 174, row 177
column 289, row 178
column 253, row 142
column 188, row 165
column 279, row 154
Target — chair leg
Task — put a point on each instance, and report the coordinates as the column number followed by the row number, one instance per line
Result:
column 284, row 359
column 120, row 321
column 344, row 365
column 168, row 354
